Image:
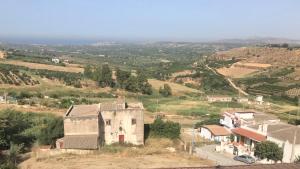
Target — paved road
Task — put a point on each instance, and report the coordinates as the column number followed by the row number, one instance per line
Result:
column 208, row 152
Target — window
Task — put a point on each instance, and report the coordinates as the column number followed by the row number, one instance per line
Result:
column 108, row 122
column 133, row 121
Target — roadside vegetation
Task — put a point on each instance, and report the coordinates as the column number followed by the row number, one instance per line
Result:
column 20, row 131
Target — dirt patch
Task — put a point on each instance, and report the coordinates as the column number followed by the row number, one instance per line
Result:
column 235, row 72
column 2, row 54
column 114, row 161
column 67, row 68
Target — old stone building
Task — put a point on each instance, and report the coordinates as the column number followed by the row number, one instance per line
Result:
column 90, row 126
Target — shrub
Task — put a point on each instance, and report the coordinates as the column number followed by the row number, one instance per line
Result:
column 167, row 129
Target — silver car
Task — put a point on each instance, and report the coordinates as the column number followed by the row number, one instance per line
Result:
column 245, row 158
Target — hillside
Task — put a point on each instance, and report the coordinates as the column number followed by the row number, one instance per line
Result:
column 269, row 71
column 266, row 55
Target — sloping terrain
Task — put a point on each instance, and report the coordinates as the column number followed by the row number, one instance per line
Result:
column 266, row 55
column 268, row 71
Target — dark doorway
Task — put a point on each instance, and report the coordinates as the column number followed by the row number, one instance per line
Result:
column 121, row 139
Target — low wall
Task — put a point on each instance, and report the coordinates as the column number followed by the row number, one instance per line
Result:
column 55, row 152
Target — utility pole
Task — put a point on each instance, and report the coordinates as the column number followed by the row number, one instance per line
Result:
column 193, row 139
column 298, row 108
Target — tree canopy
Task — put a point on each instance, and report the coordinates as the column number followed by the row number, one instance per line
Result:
column 268, row 150
column 165, row 90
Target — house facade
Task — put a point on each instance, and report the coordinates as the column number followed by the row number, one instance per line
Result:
column 90, row 126
column 245, row 140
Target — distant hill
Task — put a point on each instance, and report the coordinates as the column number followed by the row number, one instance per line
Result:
column 259, row 40
column 266, row 55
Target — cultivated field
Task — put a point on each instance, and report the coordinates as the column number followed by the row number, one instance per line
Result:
column 235, row 72
column 177, row 89
column 242, row 69
column 68, row 68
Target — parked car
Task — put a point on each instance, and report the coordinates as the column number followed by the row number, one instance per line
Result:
column 245, row 158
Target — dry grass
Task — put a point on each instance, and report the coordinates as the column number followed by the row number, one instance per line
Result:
column 2, row 54
column 153, row 155
column 177, row 89
column 273, row 56
column 67, row 68
column 36, row 109
column 235, row 72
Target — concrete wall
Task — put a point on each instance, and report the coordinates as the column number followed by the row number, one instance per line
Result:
column 205, row 133
column 244, row 115
column 121, row 124
column 81, row 126
column 227, row 121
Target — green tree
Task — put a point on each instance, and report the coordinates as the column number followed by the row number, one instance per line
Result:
column 143, row 84
column 268, row 150
column 97, row 74
column 52, row 130
column 132, row 84
column 88, row 71
column 166, row 90
column 122, row 77
column 106, row 77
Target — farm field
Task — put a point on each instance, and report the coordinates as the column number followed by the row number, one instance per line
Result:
column 177, row 89
column 235, row 72
column 71, row 68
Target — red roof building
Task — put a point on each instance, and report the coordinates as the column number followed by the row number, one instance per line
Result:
column 249, row 134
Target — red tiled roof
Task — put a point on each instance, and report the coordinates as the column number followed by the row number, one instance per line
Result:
column 250, row 134
column 217, row 130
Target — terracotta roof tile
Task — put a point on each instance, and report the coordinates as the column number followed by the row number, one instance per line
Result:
column 83, row 110
column 250, row 134
column 217, row 130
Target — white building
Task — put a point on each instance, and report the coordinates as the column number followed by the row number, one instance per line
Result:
column 237, row 118
column 285, row 135
column 215, row 133
column 259, row 99
column 219, row 99
column 55, row 60
column 242, row 100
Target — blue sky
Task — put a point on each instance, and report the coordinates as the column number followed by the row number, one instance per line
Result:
column 190, row 20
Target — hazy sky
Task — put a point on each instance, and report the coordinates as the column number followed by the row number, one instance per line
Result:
column 190, row 20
